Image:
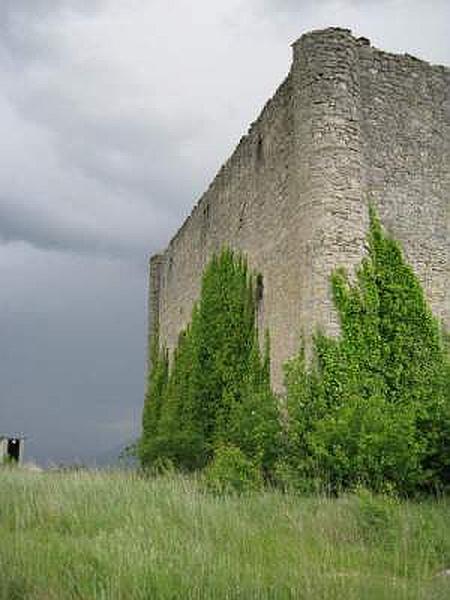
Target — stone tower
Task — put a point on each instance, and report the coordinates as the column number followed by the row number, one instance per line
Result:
column 349, row 126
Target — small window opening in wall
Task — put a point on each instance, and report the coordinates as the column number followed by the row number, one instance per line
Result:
column 204, row 225
column 260, row 150
column 242, row 214
column 259, row 288
column 170, row 265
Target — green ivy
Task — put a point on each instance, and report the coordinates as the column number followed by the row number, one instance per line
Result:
column 374, row 405
column 154, row 397
column 232, row 472
column 218, row 391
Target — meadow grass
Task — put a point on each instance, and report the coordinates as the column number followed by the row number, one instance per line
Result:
column 118, row 535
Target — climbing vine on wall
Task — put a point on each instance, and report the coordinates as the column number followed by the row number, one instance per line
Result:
column 374, row 405
column 218, row 391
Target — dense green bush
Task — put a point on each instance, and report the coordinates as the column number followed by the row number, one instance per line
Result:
column 232, row 472
column 254, row 422
column 373, row 406
column 156, row 388
column 218, row 389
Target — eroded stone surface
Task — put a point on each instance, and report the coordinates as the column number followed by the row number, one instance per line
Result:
column 349, row 125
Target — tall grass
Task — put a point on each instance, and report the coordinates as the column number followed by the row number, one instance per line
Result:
column 115, row 535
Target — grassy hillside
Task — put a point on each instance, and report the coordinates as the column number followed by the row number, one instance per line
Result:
column 92, row 535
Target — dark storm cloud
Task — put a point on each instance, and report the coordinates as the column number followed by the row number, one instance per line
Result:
column 106, row 121
column 114, row 117
column 72, row 352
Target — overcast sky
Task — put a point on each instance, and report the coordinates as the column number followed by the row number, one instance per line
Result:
column 114, row 117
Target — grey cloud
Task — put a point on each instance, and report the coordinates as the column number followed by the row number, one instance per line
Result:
column 72, row 352
column 412, row 26
column 34, row 8
column 42, row 230
column 112, row 136
column 16, row 13
column 21, row 23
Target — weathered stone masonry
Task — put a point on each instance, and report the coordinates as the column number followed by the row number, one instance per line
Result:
column 349, row 125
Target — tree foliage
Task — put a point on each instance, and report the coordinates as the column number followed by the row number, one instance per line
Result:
column 156, row 389
column 374, row 405
column 218, row 390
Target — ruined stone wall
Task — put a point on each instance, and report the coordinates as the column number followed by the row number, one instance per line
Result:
column 406, row 150
column 349, row 125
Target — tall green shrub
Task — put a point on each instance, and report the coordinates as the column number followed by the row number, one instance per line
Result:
column 254, row 424
column 222, row 334
column 373, row 406
column 154, row 400
column 218, row 378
